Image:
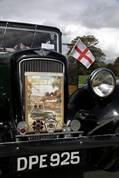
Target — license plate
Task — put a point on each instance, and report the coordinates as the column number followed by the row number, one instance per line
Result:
column 48, row 160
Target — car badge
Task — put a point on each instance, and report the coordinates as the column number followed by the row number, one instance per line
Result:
column 50, row 125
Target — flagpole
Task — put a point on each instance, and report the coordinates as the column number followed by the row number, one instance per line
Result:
column 76, row 62
column 73, row 47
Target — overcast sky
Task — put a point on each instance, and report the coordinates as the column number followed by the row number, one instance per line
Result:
column 73, row 17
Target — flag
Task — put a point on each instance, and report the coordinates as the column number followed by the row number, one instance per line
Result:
column 81, row 53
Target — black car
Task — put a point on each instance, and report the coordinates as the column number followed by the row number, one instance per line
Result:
column 33, row 70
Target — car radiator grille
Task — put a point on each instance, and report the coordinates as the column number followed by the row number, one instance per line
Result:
column 40, row 65
column 37, row 65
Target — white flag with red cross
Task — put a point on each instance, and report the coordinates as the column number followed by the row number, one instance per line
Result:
column 81, row 53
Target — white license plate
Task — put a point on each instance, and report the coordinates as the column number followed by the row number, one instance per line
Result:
column 46, row 160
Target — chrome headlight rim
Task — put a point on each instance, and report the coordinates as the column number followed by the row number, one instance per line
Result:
column 93, row 76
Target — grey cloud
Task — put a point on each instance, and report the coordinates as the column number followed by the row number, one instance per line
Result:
column 85, row 14
column 89, row 13
column 101, row 13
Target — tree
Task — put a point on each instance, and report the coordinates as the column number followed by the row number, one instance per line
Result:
column 114, row 66
column 91, row 42
column 116, row 61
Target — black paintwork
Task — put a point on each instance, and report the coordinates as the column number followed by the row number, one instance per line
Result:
column 94, row 110
column 99, row 117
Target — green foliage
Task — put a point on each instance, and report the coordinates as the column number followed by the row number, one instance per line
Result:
column 82, row 79
column 89, row 40
column 76, row 68
column 114, row 67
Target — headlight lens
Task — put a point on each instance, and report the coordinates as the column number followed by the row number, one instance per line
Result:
column 102, row 82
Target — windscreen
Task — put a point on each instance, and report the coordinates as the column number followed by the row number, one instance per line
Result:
column 14, row 39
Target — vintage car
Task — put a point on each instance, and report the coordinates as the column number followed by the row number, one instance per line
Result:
column 34, row 72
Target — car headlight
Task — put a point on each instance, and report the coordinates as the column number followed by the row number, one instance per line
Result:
column 102, row 82
column 22, row 128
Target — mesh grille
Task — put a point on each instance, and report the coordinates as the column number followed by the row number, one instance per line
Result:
column 40, row 65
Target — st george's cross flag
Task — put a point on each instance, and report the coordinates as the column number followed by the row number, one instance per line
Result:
column 82, row 54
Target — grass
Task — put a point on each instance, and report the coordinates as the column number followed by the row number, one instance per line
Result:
column 82, row 79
